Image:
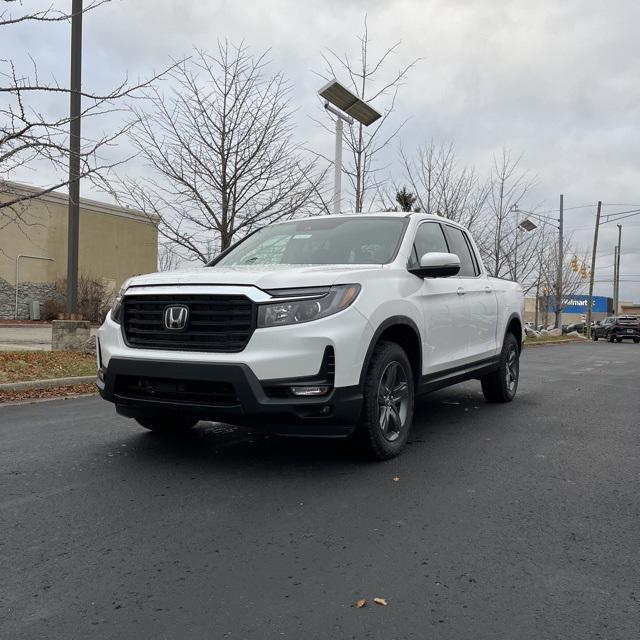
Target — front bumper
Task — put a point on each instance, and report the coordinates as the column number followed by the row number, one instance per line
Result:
column 237, row 397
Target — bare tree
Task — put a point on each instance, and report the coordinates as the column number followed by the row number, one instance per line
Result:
column 499, row 240
column 29, row 135
column 444, row 188
column 368, row 79
column 220, row 151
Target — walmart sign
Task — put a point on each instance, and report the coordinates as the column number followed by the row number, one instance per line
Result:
column 580, row 304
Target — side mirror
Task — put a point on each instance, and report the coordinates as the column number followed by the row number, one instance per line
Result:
column 437, row 265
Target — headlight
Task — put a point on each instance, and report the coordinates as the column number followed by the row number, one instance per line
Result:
column 116, row 310
column 275, row 314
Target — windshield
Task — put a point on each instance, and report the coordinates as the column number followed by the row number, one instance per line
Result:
column 362, row 240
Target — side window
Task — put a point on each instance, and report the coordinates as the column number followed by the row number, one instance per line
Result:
column 461, row 247
column 429, row 238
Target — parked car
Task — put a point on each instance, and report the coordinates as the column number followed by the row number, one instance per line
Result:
column 328, row 326
column 580, row 327
column 617, row 328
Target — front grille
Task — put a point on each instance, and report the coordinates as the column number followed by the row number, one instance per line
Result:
column 190, row 392
column 221, row 323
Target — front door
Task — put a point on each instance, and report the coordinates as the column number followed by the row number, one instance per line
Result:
column 444, row 307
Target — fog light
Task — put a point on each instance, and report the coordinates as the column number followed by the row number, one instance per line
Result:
column 310, row 391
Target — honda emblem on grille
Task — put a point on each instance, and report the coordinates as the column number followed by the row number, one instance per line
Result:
column 175, row 317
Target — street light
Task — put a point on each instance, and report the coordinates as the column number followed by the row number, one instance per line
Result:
column 347, row 107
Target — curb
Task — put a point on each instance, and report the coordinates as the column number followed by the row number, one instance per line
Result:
column 532, row 343
column 46, row 384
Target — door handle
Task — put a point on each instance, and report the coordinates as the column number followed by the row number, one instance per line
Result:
column 461, row 291
column 488, row 289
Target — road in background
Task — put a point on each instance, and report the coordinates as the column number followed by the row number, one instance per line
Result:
column 499, row 521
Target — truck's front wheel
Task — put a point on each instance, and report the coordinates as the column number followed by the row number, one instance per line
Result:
column 387, row 409
column 166, row 424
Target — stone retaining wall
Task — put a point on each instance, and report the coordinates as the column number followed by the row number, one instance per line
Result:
column 27, row 291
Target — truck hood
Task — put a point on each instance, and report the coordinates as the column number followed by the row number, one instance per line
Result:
column 263, row 277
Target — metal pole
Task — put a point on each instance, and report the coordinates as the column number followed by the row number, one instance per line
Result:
column 337, row 177
column 593, row 268
column 515, row 257
column 617, row 292
column 559, row 282
column 615, row 276
column 74, row 157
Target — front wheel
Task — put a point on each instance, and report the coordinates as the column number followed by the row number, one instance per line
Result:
column 387, row 406
column 501, row 385
column 164, row 424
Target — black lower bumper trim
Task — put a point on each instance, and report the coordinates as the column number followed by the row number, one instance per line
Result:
column 333, row 415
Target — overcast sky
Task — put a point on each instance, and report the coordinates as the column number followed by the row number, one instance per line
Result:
column 555, row 81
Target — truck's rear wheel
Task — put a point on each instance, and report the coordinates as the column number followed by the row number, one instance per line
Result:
column 502, row 384
column 164, row 424
column 387, row 408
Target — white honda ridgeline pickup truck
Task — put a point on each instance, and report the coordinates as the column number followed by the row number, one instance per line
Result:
column 327, row 326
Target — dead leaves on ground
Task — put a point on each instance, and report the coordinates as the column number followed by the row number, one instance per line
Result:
column 363, row 602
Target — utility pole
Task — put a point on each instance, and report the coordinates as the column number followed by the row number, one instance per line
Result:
column 559, row 276
column 615, row 275
column 616, row 299
column 593, row 268
column 74, row 157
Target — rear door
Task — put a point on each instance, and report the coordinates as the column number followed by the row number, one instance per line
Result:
column 479, row 294
column 444, row 307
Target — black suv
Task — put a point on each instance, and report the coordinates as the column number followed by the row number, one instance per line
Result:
column 617, row 328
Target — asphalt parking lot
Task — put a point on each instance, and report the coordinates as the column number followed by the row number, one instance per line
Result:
column 499, row 521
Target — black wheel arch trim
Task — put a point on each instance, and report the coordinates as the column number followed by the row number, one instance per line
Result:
column 386, row 324
column 512, row 317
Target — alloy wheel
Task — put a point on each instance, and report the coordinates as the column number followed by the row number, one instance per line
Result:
column 393, row 400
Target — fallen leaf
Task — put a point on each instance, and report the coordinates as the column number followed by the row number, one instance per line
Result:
column 360, row 603
column 396, row 479
column 380, row 601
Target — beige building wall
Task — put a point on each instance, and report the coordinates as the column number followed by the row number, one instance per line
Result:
column 115, row 243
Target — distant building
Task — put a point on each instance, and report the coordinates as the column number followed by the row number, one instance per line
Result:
column 630, row 308
column 115, row 243
column 574, row 309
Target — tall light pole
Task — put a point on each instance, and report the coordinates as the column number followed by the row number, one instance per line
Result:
column 559, row 273
column 346, row 107
column 74, row 157
column 337, row 164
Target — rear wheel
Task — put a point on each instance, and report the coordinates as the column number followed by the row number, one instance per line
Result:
column 501, row 385
column 164, row 424
column 387, row 407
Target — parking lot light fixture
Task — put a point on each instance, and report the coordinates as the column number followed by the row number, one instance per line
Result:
column 346, row 107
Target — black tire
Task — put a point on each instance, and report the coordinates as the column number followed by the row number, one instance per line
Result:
column 164, row 424
column 387, row 405
column 636, row 340
column 501, row 385
column 610, row 338
column 618, row 340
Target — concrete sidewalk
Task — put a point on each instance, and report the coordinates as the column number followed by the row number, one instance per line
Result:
column 28, row 337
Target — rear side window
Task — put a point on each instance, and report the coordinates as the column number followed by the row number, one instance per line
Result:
column 429, row 238
column 460, row 245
